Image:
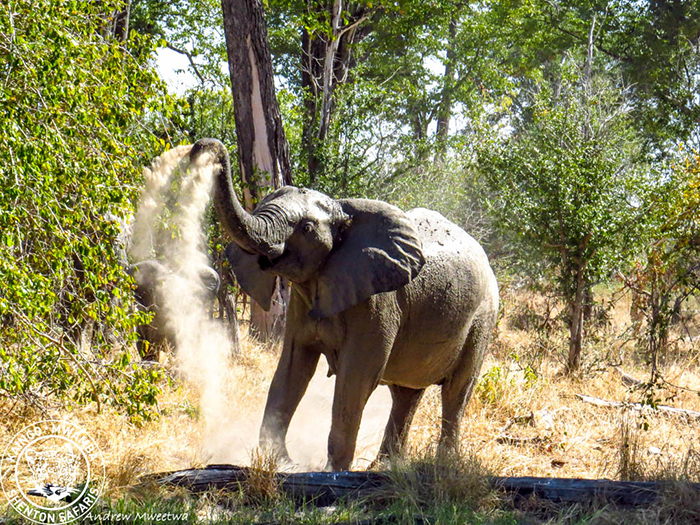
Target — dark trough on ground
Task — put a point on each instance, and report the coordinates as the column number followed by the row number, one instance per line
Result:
column 325, row 488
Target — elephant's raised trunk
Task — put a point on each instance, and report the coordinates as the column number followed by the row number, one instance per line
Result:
column 252, row 233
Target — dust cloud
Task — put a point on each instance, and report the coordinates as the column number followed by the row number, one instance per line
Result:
column 169, row 223
column 307, row 439
column 152, row 200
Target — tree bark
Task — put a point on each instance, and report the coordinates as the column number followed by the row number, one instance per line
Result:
column 588, row 303
column 263, row 153
column 445, row 111
column 116, row 23
column 227, row 305
column 121, row 22
column 311, row 68
column 325, row 64
column 329, row 80
column 232, row 322
column 576, row 326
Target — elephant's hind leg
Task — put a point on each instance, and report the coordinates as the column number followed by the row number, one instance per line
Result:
column 458, row 387
column 404, row 404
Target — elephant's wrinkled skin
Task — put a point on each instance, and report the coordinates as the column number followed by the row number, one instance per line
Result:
column 403, row 299
column 150, row 276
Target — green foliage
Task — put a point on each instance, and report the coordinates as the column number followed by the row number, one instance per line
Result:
column 570, row 183
column 493, row 385
column 74, row 112
column 193, row 27
column 570, row 186
column 563, row 157
column 394, row 90
column 652, row 46
column 447, row 186
column 667, row 273
column 386, row 105
column 358, row 158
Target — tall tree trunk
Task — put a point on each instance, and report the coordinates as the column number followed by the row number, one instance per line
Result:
column 263, row 154
column 445, row 110
column 311, row 67
column 576, row 325
column 588, row 303
column 329, row 80
column 116, row 23
column 325, row 64
column 121, row 22
column 582, row 305
column 231, row 320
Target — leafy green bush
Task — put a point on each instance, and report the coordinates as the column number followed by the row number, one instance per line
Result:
column 75, row 109
column 668, row 271
column 494, row 384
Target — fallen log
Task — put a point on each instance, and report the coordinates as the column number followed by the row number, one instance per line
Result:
column 690, row 414
column 322, row 488
column 326, row 488
column 571, row 490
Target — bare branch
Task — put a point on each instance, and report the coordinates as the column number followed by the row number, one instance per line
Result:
column 189, row 57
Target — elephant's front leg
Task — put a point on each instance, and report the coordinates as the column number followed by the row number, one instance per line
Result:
column 360, row 369
column 295, row 369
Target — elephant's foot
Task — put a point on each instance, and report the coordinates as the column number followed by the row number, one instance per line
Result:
column 448, row 447
column 284, row 463
column 273, row 451
column 339, row 457
column 278, row 455
column 337, row 465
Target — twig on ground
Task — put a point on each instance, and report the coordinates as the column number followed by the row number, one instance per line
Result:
column 627, row 379
column 690, row 414
column 519, row 441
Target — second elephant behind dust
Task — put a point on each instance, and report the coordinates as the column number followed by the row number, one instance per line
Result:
column 150, row 277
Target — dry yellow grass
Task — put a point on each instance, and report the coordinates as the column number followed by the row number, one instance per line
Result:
column 552, row 433
column 571, row 438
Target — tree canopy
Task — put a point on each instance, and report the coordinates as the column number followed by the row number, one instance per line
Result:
column 570, row 185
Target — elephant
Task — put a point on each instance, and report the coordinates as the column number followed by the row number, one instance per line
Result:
column 150, row 276
column 407, row 300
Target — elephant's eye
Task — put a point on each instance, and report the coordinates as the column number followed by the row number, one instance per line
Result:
column 308, row 227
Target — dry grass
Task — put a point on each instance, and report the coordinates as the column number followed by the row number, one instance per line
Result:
column 522, row 388
column 261, row 484
column 567, row 438
column 522, row 395
column 426, row 478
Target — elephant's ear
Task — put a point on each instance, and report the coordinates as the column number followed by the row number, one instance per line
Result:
column 379, row 251
column 210, row 279
column 256, row 283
